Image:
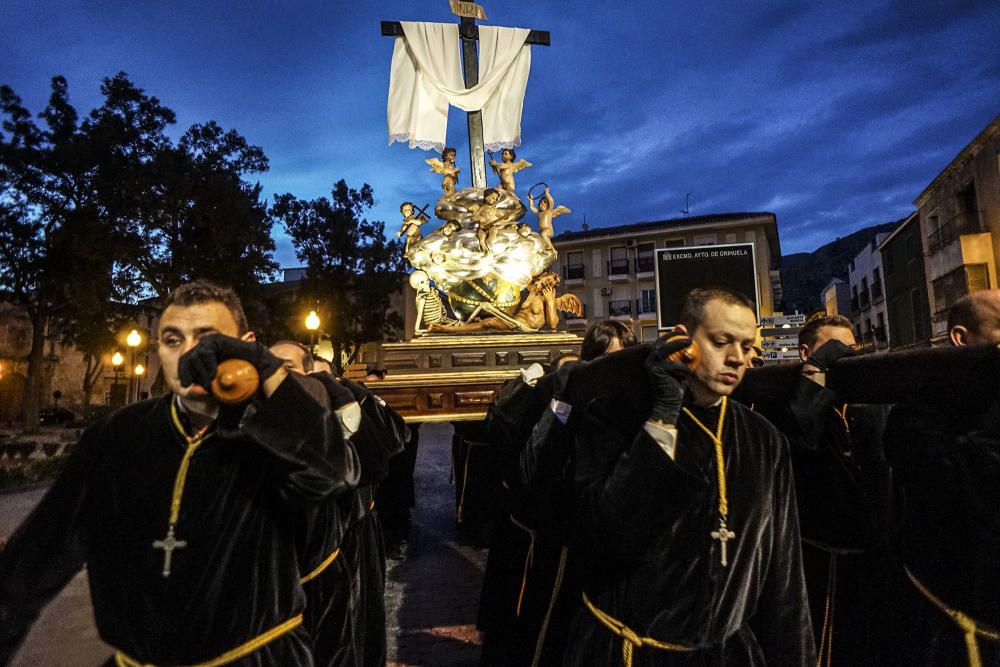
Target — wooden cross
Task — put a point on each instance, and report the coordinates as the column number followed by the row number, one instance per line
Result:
column 168, row 544
column 723, row 534
column 469, row 32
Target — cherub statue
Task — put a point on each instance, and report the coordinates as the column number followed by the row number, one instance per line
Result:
column 488, row 215
column 410, row 225
column 546, row 211
column 540, row 308
column 430, row 308
column 506, row 168
column 446, row 167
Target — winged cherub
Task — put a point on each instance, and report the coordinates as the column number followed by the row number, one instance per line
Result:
column 546, row 211
column 506, row 168
column 446, row 167
column 410, row 225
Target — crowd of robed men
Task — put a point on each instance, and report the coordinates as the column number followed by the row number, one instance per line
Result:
column 663, row 517
column 217, row 534
column 657, row 525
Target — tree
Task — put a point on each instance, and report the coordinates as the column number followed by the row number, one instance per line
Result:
column 352, row 269
column 110, row 210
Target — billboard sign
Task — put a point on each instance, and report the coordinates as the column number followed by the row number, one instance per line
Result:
column 680, row 270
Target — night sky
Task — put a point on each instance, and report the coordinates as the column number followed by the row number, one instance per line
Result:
column 833, row 118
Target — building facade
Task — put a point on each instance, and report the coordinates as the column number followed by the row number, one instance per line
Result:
column 959, row 216
column 836, row 298
column 612, row 269
column 906, row 285
column 868, row 311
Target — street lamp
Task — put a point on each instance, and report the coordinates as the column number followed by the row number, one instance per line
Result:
column 312, row 323
column 134, row 340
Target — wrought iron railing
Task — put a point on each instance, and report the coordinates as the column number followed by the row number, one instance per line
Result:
column 966, row 222
column 617, row 267
column 619, row 308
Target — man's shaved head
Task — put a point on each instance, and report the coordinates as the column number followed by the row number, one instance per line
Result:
column 975, row 319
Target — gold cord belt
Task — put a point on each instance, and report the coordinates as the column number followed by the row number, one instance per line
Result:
column 970, row 627
column 529, row 559
column 241, row 651
column 630, row 639
column 327, row 562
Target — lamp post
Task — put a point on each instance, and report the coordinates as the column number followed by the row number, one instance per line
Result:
column 133, row 340
column 312, row 323
column 138, row 370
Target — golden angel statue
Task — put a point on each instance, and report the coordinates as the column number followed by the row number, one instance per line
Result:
column 446, row 167
column 488, row 215
column 546, row 211
column 410, row 225
column 506, row 168
column 539, row 309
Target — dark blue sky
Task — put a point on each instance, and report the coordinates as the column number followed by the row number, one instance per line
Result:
column 834, row 117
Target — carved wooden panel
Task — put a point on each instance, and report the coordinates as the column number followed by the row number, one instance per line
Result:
column 402, row 401
column 501, row 358
column 473, row 399
column 467, row 359
column 533, row 356
column 435, row 400
column 401, row 361
column 434, row 361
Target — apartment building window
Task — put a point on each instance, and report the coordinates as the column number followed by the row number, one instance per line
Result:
column 619, row 308
column 574, row 265
column 952, row 286
column 876, row 284
column 855, row 306
column 618, row 264
column 644, row 258
column 865, row 297
column 646, row 303
column 880, row 336
column 706, row 239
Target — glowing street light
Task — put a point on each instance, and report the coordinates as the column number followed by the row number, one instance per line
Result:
column 133, row 339
column 139, row 369
column 312, row 323
column 117, row 360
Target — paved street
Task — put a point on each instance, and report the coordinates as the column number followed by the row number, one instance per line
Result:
column 431, row 596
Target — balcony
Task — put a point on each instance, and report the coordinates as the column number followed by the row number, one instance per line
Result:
column 966, row 222
column 617, row 267
column 644, row 264
column 644, row 306
column 864, row 299
column 620, row 308
column 573, row 272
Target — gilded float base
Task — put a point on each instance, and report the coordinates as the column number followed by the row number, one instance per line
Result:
column 447, row 378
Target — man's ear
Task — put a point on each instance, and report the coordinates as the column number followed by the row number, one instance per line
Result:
column 804, row 352
column 959, row 335
column 249, row 337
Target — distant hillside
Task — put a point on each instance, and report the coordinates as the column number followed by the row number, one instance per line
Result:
column 805, row 274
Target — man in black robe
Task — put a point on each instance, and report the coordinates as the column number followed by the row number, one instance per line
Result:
column 327, row 576
column 946, row 474
column 186, row 511
column 689, row 564
column 843, row 494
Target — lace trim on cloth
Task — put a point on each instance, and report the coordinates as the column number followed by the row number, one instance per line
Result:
column 500, row 145
column 404, row 138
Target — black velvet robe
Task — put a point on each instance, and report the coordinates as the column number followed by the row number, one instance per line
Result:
column 946, row 471
column 345, row 613
column 237, row 577
column 843, row 492
column 652, row 563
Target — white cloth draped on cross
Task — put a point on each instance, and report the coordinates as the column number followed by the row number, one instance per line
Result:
column 426, row 77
